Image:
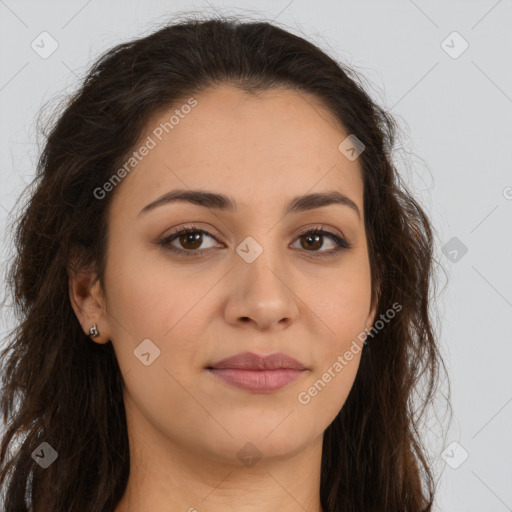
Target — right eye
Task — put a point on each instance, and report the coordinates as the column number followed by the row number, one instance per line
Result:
column 191, row 236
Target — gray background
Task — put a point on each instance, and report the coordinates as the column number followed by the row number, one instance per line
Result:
column 454, row 154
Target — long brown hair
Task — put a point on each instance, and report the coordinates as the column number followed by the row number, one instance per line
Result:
column 60, row 388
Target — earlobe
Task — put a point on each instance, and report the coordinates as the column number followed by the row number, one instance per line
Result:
column 373, row 313
column 371, row 317
column 86, row 299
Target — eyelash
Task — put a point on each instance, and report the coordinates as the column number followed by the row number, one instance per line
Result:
column 341, row 242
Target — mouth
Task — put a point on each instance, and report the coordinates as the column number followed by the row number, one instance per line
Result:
column 256, row 373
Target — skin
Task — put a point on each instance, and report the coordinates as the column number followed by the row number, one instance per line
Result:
column 185, row 425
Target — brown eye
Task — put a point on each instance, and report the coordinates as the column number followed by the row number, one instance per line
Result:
column 313, row 240
column 191, row 241
column 188, row 241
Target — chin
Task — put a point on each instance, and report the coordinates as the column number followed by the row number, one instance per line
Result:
column 257, row 441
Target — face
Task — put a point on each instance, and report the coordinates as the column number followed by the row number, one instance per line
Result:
column 246, row 279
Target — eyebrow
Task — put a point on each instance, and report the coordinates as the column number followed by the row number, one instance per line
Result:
column 229, row 204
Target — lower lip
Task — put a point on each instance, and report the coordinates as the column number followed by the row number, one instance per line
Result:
column 263, row 381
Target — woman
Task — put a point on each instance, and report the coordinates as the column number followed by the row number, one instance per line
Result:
column 224, row 290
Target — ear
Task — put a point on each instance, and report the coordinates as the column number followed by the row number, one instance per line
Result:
column 372, row 314
column 86, row 296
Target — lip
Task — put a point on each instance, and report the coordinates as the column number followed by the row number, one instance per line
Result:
column 262, row 374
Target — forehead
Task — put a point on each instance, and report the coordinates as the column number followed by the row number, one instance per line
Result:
column 261, row 149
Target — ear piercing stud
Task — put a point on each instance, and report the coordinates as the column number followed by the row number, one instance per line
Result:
column 93, row 331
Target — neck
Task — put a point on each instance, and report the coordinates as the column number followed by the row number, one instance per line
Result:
column 167, row 476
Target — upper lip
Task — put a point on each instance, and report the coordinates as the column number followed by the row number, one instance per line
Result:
column 251, row 361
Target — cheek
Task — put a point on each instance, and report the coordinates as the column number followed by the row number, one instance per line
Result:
column 150, row 299
column 143, row 305
column 343, row 304
column 343, row 310
column 329, row 388
column 146, row 295
column 337, row 356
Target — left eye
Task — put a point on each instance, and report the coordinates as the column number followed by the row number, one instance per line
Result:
column 314, row 239
column 192, row 238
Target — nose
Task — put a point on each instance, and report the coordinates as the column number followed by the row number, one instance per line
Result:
column 261, row 296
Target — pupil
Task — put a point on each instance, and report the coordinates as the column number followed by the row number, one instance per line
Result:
column 311, row 239
column 191, row 238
